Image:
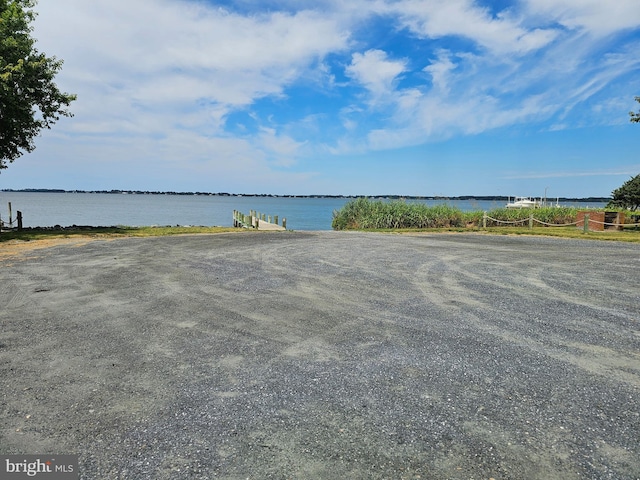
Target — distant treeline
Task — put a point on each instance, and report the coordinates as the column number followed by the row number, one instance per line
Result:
column 225, row 194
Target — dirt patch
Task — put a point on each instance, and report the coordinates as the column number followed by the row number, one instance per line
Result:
column 13, row 248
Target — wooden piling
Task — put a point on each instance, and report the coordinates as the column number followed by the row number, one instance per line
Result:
column 258, row 220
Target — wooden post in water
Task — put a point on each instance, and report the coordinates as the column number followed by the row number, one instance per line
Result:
column 10, row 217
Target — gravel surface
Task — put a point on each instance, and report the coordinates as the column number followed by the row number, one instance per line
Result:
column 325, row 355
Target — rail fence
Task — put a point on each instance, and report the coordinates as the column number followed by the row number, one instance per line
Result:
column 12, row 223
column 584, row 221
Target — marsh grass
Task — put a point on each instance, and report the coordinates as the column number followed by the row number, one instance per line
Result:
column 363, row 213
column 551, row 215
column 400, row 216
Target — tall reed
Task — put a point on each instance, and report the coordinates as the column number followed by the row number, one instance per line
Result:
column 364, row 213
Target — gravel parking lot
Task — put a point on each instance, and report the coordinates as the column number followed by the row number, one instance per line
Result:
column 313, row 355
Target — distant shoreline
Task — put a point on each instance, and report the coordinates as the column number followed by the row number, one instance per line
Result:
column 268, row 195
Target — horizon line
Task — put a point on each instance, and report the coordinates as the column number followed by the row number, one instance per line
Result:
column 228, row 194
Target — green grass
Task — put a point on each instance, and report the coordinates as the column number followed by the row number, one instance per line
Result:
column 44, row 233
column 628, row 235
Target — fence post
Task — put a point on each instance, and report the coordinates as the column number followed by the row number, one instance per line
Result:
column 275, row 219
column 284, row 223
column 19, row 218
column 10, row 217
column 484, row 220
column 585, row 227
column 530, row 221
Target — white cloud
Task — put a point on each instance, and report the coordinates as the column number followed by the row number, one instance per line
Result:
column 374, row 71
column 176, row 79
column 501, row 34
column 627, row 170
column 161, row 52
column 281, row 148
column 595, row 16
column 169, row 73
column 440, row 71
column 531, row 70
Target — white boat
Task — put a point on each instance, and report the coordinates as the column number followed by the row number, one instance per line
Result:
column 523, row 202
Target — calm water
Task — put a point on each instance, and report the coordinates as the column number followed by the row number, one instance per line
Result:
column 98, row 209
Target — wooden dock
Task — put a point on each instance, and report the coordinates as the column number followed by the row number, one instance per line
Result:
column 258, row 221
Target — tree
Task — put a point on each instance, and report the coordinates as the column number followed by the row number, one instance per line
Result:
column 635, row 117
column 628, row 195
column 29, row 98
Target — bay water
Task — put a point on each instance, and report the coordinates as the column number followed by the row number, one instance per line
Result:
column 45, row 209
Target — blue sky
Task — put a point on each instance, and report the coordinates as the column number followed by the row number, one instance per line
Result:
column 407, row 97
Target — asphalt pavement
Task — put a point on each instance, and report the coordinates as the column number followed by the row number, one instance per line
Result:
column 325, row 355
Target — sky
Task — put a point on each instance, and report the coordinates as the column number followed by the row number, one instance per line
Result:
column 357, row 97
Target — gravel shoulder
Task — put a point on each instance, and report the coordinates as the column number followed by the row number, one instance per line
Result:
column 324, row 355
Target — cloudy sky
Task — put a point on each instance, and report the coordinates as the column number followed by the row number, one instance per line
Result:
column 409, row 97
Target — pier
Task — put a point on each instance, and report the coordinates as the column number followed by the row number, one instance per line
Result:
column 258, row 221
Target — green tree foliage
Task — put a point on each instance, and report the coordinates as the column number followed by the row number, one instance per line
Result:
column 29, row 98
column 635, row 117
column 628, row 195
